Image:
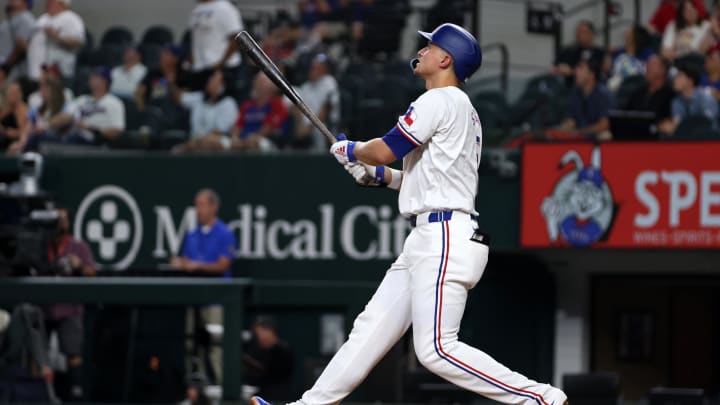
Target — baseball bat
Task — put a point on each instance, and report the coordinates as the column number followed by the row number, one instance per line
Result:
column 248, row 45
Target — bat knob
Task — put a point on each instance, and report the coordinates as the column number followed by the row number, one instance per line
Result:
column 341, row 137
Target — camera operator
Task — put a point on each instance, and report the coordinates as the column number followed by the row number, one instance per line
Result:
column 68, row 256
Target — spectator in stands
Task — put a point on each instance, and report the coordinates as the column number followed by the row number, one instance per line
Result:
column 713, row 34
column 126, row 77
column 59, row 35
column 15, row 33
column 584, row 48
column 48, row 72
column 213, row 26
column 13, row 116
column 656, row 95
column 262, row 118
column 282, row 39
column 210, row 247
column 685, row 35
column 663, row 15
column 322, row 94
column 711, row 78
column 268, row 360
column 631, row 59
column 4, row 81
column 94, row 119
column 589, row 102
column 69, row 257
column 212, row 115
column 691, row 99
column 157, row 83
column 43, row 118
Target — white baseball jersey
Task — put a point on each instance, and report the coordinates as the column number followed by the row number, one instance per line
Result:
column 441, row 173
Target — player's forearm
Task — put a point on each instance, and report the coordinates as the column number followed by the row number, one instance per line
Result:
column 218, row 267
column 601, row 125
column 374, row 152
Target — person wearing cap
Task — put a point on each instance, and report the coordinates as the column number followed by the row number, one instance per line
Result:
column 268, row 360
column 711, row 78
column 691, row 100
column 94, row 118
column 322, row 94
column 58, row 36
column 126, row 77
column 15, row 33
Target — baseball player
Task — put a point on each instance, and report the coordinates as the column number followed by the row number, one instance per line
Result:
column 439, row 140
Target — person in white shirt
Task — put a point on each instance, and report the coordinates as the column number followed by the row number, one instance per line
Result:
column 58, row 35
column 322, row 94
column 15, row 33
column 126, row 77
column 439, row 140
column 685, row 35
column 214, row 25
column 35, row 99
column 212, row 116
column 94, row 118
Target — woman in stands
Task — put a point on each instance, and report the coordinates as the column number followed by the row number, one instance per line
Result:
column 685, row 35
column 13, row 116
column 40, row 119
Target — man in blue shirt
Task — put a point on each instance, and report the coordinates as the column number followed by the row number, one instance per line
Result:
column 210, row 246
column 589, row 103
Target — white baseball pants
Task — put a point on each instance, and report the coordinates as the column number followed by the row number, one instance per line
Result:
column 427, row 286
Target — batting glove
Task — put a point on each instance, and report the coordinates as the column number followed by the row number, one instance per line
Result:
column 343, row 150
column 373, row 176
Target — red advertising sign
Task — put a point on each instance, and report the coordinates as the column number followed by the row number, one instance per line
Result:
column 621, row 195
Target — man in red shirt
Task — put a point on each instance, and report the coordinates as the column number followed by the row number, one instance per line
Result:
column 262, row 118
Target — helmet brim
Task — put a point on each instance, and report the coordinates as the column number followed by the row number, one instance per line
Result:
column 426, row 35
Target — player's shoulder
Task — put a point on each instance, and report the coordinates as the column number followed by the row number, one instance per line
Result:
column 447, row 93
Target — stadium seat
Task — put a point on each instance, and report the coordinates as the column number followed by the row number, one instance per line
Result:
column 693, row 127
column 117, row 35
column 108, row 55
column 601, row 388
column 158, row 35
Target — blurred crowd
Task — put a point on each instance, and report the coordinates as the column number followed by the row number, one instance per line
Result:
column 663, row 82
column 58, row 90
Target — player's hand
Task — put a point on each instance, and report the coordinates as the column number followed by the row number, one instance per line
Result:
column 343, row 150
column 362, row 173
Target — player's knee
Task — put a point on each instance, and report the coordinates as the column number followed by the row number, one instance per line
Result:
column 426, row 354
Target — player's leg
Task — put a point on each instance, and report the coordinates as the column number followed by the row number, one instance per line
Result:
column 440, row 280
column 385, row 319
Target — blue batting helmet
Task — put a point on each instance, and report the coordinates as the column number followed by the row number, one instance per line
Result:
column 460, row 44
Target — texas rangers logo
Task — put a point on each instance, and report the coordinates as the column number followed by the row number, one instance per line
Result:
column 580, row 210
